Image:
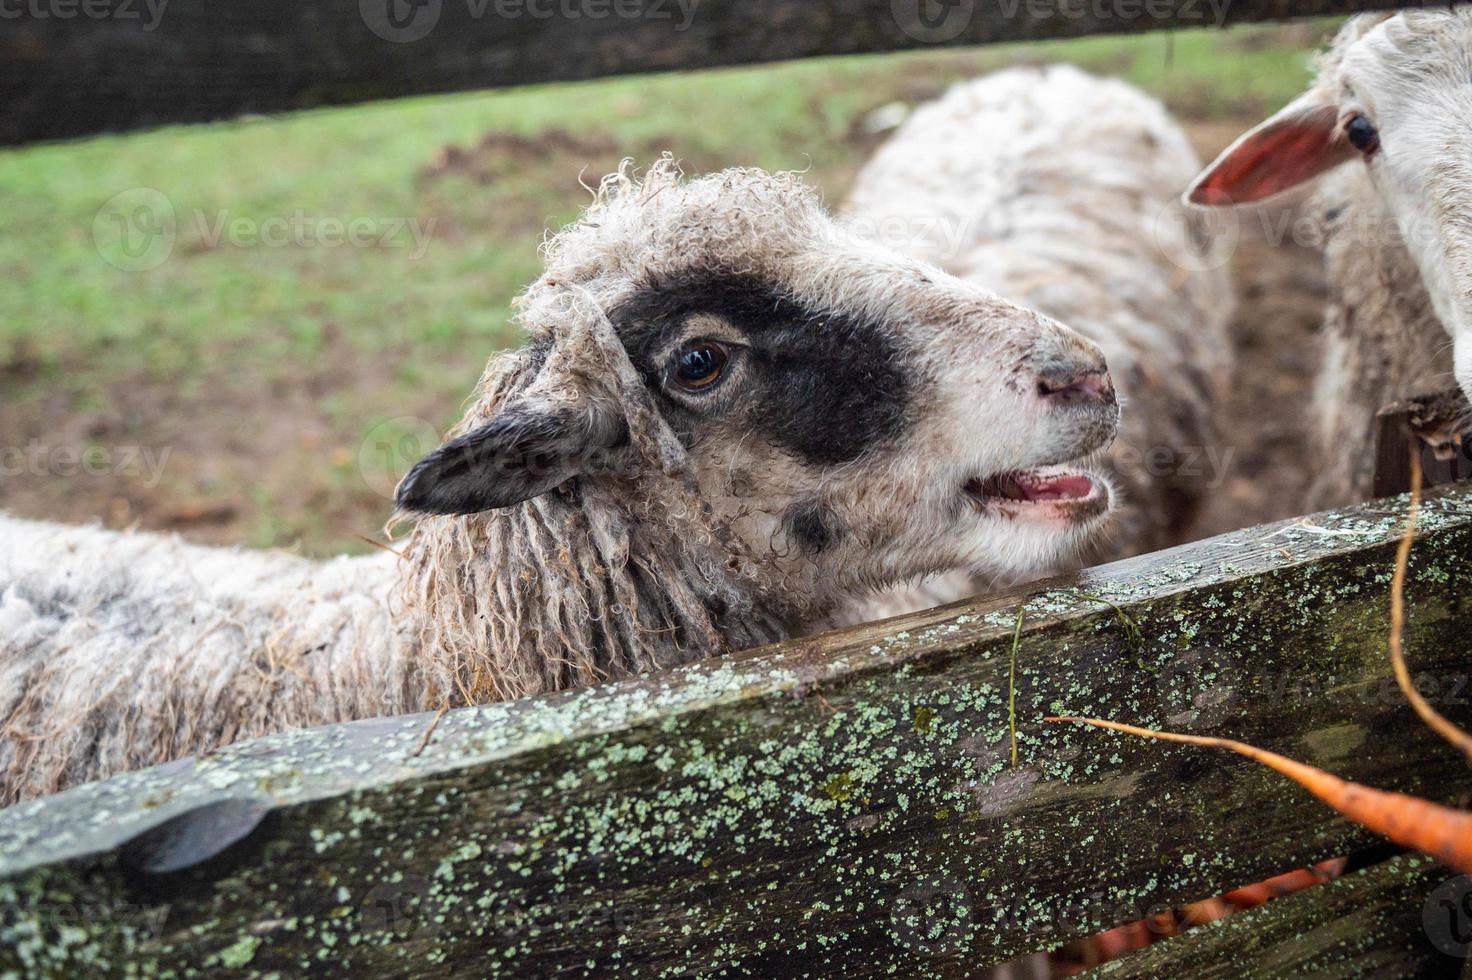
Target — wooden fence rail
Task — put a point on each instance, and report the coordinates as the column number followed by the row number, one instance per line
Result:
column 77, row 67
column 844, row 805
column 1387, row 920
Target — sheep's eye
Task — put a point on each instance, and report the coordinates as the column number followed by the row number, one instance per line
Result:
column 699, row 364
column 1362, row 135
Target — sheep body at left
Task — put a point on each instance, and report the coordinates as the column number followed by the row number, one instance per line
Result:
column 604, row 509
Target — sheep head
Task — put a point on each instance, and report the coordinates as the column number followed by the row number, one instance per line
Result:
column 1392, row 96
column 825, row 416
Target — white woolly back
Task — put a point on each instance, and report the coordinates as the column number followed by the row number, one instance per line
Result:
column 122, row 650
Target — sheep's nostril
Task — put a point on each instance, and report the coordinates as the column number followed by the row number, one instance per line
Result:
column 1077, row 387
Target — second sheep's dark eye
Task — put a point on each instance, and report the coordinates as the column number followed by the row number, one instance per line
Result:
column 699, row 364
column 1362, row 135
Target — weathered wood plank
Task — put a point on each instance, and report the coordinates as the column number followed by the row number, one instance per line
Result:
column 840, row 805
column 1439, row 426
column 1403, row 918
column 77, row 67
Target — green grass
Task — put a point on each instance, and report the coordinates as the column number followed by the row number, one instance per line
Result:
column 378, row 331
column 361, row 163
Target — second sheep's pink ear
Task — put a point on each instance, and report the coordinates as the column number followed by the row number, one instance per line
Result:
column 1296, row 145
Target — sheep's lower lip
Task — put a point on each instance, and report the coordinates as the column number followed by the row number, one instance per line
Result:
column 1054, row 492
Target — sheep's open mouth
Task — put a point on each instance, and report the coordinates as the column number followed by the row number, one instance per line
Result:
column 1063, row 493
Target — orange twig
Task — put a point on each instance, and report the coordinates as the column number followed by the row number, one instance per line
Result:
column 1442, row 832
column 1433, row 719
column 424, row 739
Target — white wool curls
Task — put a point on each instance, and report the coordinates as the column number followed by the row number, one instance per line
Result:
column 587, row 583
column 124, row 650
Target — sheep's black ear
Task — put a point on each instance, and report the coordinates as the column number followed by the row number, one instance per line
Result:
column 518, row 456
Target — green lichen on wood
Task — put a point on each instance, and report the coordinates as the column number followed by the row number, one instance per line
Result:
column 786, row 809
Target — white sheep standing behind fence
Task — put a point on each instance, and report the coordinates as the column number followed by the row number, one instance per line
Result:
column 1385, row 132
column 732, row 417
column 1060, row 191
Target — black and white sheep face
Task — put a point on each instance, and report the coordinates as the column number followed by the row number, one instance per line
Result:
column 1393, row 97
column 854, row 418
column 862, row 419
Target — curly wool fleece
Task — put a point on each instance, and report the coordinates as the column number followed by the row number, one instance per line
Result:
column 124, row 650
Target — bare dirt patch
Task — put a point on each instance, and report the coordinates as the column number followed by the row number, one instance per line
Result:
column 500, row 155
column 226, row 459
